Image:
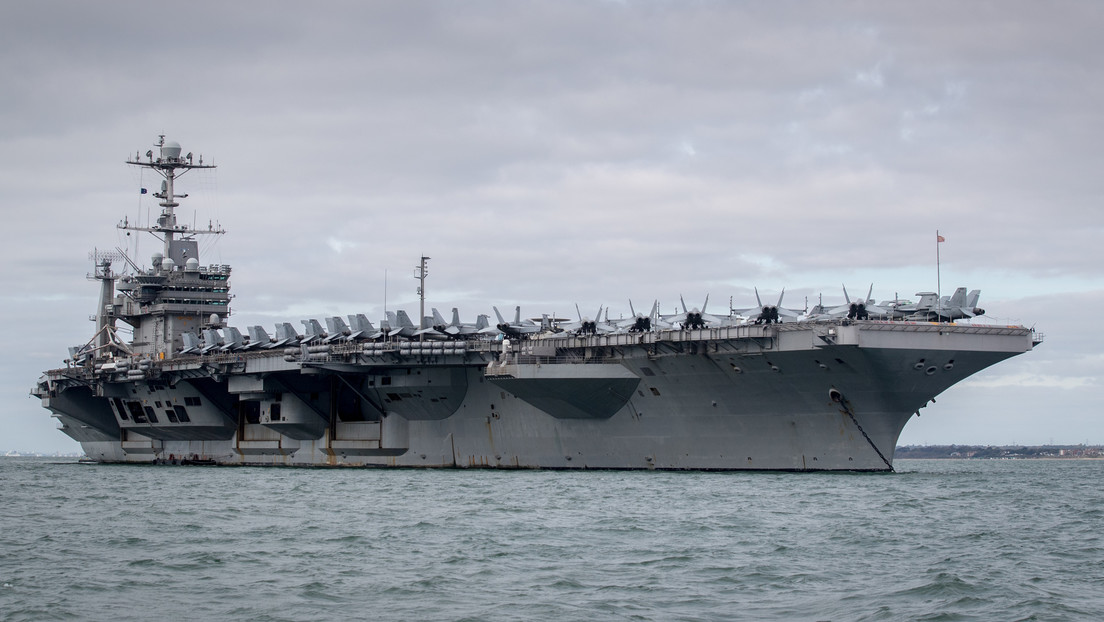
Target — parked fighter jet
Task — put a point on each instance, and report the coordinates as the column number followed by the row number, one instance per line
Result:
column 932, row 308
column 212, row 340
column 361, row 327
column 258, row 338
column 234, row 340
column 587, row 326
column 694, row 319
column 286, row 336
column 313, row 331
column 338, row 330
column 400, row 324
column 191, row 344
column 517, row 328
column 768, row 314
column 456, row 328
column 958, row 305
column 859, row 309
column 641, row 323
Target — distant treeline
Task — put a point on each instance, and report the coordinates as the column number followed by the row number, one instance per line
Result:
column 1007, row 451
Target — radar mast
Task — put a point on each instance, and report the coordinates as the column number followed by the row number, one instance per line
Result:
column 168, row 162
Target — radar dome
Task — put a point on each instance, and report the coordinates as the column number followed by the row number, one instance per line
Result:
column 192, row 265
column 167, row 264
column 156, row 259
column 215, row 319
column 170, row 150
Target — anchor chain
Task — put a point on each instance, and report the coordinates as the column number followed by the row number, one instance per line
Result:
column 839, row 399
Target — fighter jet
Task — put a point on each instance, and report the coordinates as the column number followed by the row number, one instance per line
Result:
column 258, row 338
column 212, row 340
column 768, row 314
column 191, row 344
column 640, row 323
column 958, row 305
column 456, row 328
column 401, row 326
column 517, row 328
column 361, row 326
column 860, row 309
column 816, row 312
column 312, row 331
column 694, row 319
column 286, row 336
column 586, row 326
column 234, row 340
column 338, row 330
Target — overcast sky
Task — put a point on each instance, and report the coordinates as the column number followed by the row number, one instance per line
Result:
column 553, row 153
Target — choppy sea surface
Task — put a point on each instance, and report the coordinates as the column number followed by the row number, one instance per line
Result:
column 938, row 540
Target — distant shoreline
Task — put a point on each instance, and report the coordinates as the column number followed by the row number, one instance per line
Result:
column 1004, row 452
column 1054, row 458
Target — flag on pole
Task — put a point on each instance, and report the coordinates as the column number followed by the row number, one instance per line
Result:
column 939, row 238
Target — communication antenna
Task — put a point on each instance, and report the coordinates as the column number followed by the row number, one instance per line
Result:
column 421, row 271
column 105, row 310
column 169, row 164
column 102, row 260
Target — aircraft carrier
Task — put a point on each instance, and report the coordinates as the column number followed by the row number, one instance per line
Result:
column 828, row 392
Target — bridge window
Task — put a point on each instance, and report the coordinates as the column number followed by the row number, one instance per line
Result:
column 251, row 411
column 150, row 414
column 181, row 413
column 118, row 404
column 136, row 412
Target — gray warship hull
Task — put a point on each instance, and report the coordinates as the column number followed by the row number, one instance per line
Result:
column 717, row 393
column 827, row 395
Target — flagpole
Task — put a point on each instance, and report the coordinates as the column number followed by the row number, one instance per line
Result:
column 938, row 279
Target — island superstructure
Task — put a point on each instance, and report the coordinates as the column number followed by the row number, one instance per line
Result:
column 829, row 392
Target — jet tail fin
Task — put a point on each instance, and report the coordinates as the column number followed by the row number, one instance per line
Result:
column 972, row 298
column 958, row 298
column 439, row 320
column 403, row 319
column 312, row 330
column 234, row 340
column 360, row 323
column 191, row 343
column 258, row 335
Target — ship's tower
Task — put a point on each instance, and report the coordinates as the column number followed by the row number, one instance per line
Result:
column 105, row 343
column 176, row 294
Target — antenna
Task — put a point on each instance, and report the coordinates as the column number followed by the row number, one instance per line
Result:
column 421, row 271
column 166, row 164
column 104, row 259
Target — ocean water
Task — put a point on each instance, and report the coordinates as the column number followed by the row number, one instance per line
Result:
column 938, row 540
